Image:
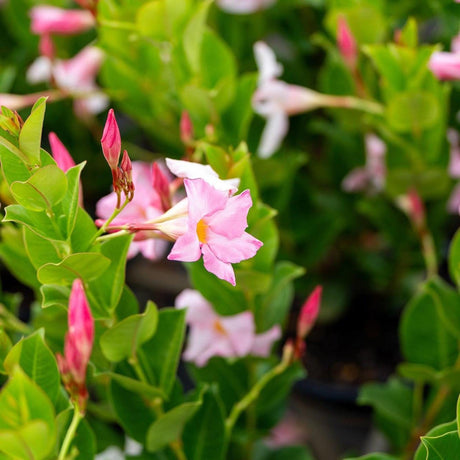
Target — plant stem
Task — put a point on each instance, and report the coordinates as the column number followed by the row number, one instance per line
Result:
column 77, row 416
column 252, row 395
column 115, row 213
column 429, row 253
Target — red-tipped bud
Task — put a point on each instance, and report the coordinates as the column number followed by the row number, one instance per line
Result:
column 111, row 141
column 60, row 154
column 186, row 128
column 78, row 345
column 413, row 206
column 160, row 184
column 346, row 43
column 10, row 121
column 127, row 176
column 309, row 313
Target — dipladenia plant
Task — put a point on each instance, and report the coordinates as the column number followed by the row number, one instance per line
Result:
column 114, row 353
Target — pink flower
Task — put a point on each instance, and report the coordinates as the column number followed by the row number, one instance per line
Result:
column 76, row 76
column 111, row 141
column 186, row 128
column 244, row 6
column 52, row 20
column 216, row 230
column 60, row 154
column 78, row 345
column 190, row 170
column 372, row 176
column 347, row 43
column 454, row 161
column 445, row 65
column 276, row 100
column 226, row 336
column 453, row 203
column 145, row 205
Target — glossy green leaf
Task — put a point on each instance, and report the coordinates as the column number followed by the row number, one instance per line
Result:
column 454, row 258
column 37, row 361
column 54, row 294
column 31, row 133
column 417, row 372
column 5, row 347
column 193, row 35
column 40, row 250
column 87, row 266
column 123, row 340
column 169, row 426
column 204, row 433
column 42, row 190
column 443, row 447
column 163, row 350
column 13, row 168
column 27, row 425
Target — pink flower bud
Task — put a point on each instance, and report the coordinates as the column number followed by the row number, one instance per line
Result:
column 347, row 43
column 126, row 164
column 309, row 313
column 111, row 141
column 60, row 154
column 186, row 128
column 413, row 206
column 160, row 184
column 46, row 46
column 49, row 19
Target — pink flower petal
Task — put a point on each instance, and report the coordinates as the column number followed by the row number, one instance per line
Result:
column 263, row 342
column 240, row 331
column 233, row 250
column 221, row 269
column 186, row 248
column 199, row 310
column 203, row 199
column 232, row 221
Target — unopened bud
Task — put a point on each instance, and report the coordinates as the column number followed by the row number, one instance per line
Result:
column 309, row 313
column 160, row 184
column 10, row 121
column 347, row 43
column 60, row 154
column 412, row 205
column 186, row 128
column 127, row 176
column 46, row 46
column 111, row 141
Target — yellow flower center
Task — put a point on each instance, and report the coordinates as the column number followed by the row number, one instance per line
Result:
column 219, row 328
column 201, row 231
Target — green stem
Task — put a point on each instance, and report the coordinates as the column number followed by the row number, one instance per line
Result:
column 429, row 253
column 77, row 416
column 115, row 213
column 252, row 395
column 138, row 369
column 120, row 25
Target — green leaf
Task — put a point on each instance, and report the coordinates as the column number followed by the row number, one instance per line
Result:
column 204, row 433
column 42, row 190
column 133, row 411
column 136, row 386
column 5, row 347
column 53, row 294
column 169, row 426
column 87, row 266
column 37, row 361
column 83, row 231
column 421, row 322
column 123, row 340
column 273, row 305
column 263, row 452
column 193, row 35
column 226, row 299
column 108, row 287
column 417, row 372
column 40, row 250
column 31, row 133
column 439, row 430
column 163, row 349
column 27, row 426
column 454, row 258
column 447, row 301
column 13, row 168
column 409, row 33
column 444, row 447
column 151, row 20
column 414, row 111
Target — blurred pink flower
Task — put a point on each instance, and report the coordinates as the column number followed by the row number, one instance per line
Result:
column 78, row 344
column 347, row 43
column 227, row 336
column 146, row 205
column 216, row 230
column 309, row 312
column 445, row 65
column 244, row 6
column 76, row 76
column 53, row 20
column 288, row 432
column 453, row 203
column 276, row 100
column 372, row 176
